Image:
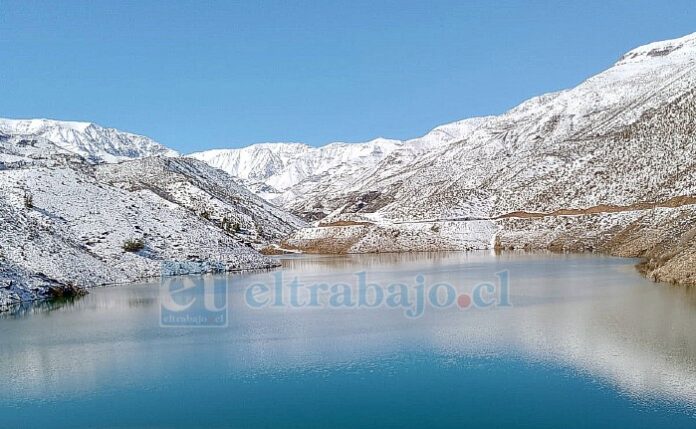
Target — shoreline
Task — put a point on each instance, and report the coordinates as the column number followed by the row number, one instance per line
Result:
column 646, row 266
column 662, row 238
column 58, row 291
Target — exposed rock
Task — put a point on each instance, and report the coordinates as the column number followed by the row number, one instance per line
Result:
column 606, row 166
column 82, row 214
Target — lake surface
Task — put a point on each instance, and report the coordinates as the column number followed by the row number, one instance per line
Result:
column 586, row 342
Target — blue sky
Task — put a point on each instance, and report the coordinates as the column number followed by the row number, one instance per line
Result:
column 197, row 75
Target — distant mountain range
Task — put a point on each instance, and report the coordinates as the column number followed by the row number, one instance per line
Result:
column 91, row 141
column 488, row 163
column 606, row 166
column 70, row 221
column 286, row 173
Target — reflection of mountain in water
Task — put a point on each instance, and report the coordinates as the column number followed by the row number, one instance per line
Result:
column 593, row 314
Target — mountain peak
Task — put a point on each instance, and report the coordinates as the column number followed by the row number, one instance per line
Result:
column 36, row 125
column 87, row 139
column 681, row 47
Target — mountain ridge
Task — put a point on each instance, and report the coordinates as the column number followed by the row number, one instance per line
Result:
column 87, row 139
column 623, row 138
column 603, row 101
column 67, row 223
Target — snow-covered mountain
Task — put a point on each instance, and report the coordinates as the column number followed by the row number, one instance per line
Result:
column 67, row 222
column 566, row 149
column 483, row 164
column 608, row 161
column 390, row 178
column 282, row 172
column 270, row 169
column 608, row 165
column 93, row 142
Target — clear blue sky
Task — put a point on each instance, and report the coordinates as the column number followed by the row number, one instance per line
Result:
column 196, row 75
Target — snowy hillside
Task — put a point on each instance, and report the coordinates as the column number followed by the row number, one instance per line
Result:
column 280, row 172
column 91, row 141
column 208, row 192
column 622, row 141
column 484, row 167
column 608, row 165
column 68, row 222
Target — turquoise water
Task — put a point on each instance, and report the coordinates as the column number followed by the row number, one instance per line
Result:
column 587, row 343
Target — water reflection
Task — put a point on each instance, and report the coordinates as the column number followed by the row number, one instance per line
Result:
column 25, row 309
column 591, row 313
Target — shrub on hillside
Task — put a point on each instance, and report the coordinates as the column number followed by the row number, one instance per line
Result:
column 133, row 245
column 28, row 201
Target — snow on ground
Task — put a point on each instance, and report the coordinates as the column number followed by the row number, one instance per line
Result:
column 623, row 138
column 390, row 237
column 66, row 221
column 91, row 141
column 618, row 141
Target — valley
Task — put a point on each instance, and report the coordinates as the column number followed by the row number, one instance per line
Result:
column 607, row 166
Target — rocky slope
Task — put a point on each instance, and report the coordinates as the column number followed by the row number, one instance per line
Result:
column 91, row 141
column 607, row 165
column 67, row 221
column 301, row 178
